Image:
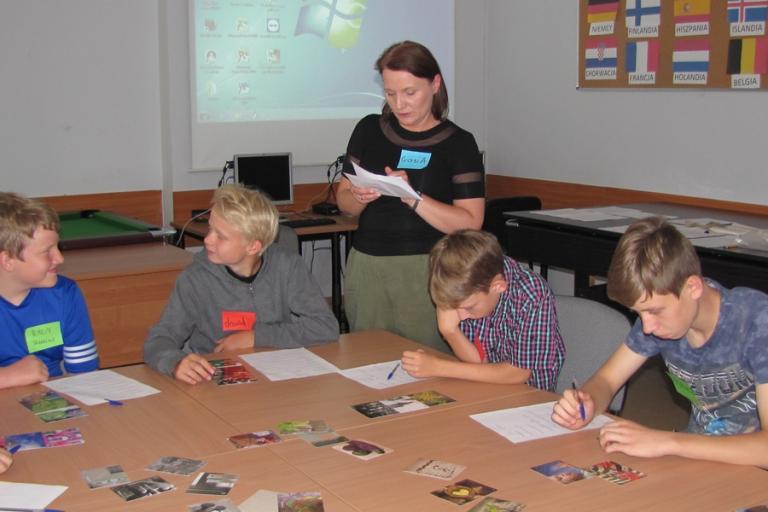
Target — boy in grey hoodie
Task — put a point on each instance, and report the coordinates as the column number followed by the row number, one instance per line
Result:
column 241, row 292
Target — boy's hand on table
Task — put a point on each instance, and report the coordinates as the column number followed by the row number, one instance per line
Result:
column 566, row 410
column 27, row 370
column 420, row 364
column 634, row 439
column 6, row 459
column 237, row 341
column 193, row 369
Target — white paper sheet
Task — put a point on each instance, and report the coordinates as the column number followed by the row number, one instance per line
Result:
column 28, row 496
column 375, row 375
column 97, row 387
column 294, row 363
column 388, row 185
column 529, row 423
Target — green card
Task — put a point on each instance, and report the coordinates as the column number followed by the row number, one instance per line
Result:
column 684, row 389
column 43, row 336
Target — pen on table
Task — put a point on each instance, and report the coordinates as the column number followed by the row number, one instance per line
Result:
column 389, row 377
column 14, row 449
column 582, row 412
column 115, row 403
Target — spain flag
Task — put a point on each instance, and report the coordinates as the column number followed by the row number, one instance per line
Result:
column 691, row 11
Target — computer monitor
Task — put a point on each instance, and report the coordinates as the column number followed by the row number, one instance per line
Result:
column 272, row 173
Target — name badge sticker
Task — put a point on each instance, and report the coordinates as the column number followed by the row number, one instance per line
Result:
column 237, row 320
column 413, row 159
column 43, row 336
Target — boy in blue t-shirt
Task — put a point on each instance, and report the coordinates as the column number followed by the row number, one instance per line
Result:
column 43, row 316
column 714, row 342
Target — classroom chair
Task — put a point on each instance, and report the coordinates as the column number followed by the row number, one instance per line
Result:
column 591, row 332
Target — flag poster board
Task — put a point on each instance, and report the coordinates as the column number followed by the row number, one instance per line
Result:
column 720, row 44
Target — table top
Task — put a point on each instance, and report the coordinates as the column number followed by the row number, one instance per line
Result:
column 194, row 421
column 100, row 262
column 594, row 228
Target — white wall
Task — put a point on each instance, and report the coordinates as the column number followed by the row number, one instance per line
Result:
column 79, row 96
column 697, row 143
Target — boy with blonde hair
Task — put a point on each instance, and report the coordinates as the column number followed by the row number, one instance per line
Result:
column 43, row 316
column 240, row 292
column 497, row 316
column 714, row 342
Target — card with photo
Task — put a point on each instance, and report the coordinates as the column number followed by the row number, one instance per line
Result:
column 104, row 477
column 463, row 492
column 213, row 483
column 176, row 465
column 302, row 427
column 230, row 371
column 50, row 406
column 363, row 450
column 435, row 469
column 561, row 472
column 254, row 439
column 300, row 502
column 615, row 473
column 151, row 486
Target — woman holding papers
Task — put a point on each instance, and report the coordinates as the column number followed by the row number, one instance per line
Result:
column 387, row 273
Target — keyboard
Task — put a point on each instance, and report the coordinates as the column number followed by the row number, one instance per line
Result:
column 307, row 222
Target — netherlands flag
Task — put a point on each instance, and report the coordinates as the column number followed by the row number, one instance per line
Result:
column 601, row 53
column 689, row 56
column 744, row 11
column 643, row 56
column 643, row 13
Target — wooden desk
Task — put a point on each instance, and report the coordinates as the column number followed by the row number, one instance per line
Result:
column 126, row 289
column 264, row 404
column 344, row 225
column 587, row 250
column 451, row 435
column 187, row 421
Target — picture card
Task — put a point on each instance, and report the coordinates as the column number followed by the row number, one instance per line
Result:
column 363, row 450
column 104, row 477
column 615, row 473
column 463, row 491
column 51, row 439
column 213, row 483
column 50, row 406
column 561, row 472
column 151, row 486
column 253, row 439
column 402, row 404
column 222, row 505
column 230, row 371
column 435, row 469
column 497, row 505
column 324, row 438
column 176, row 465
column 300, row 502
column 302, row 427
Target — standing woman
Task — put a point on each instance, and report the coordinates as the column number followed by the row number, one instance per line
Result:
column 387, row 271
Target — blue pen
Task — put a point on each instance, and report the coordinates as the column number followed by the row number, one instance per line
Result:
column 14, row 449
column 114, row 403
column 389, row 377
column 582, row 411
